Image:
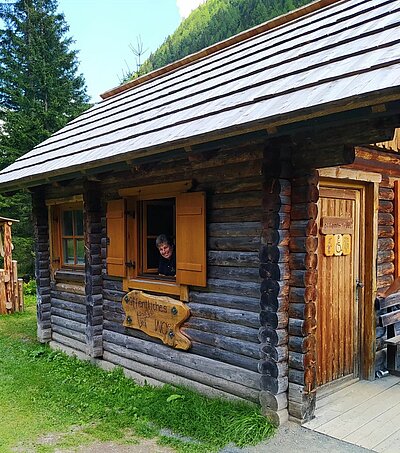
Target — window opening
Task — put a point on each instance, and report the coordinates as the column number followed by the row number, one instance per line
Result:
column 158, row 217
column 72, row 237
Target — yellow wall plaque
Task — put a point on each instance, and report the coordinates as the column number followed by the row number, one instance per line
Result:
column 158, row 316
column 346, row 244
column 329, row 245
column 338, row 244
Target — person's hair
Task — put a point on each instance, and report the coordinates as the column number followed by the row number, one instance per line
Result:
column 164, row 239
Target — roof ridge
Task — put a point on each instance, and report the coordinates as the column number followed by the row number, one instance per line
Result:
column 240, row 37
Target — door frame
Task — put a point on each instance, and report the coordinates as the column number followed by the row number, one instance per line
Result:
column 368, row 184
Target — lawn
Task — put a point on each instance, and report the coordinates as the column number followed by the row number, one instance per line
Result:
column 46, row 394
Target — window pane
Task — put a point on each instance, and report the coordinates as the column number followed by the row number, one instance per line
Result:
column 68, row 251
column 67, row 223
column 160, row 217
column 78, row 223
column 80, row 252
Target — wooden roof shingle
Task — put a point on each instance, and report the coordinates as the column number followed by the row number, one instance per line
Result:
column 335, row 58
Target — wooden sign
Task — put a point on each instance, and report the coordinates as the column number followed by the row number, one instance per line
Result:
column 157, row 316
column 336, row 225
column 337, row 244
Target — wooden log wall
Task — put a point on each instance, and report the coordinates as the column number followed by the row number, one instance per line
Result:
column 388, row 165
column 302, row 296
column 42, row 264
column 69, row 310
column 274, row 270
column 93, row 270
column 224, row 322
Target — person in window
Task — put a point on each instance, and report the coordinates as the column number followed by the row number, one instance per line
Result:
column 167, row 262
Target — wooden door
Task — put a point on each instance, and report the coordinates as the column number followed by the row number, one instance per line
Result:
column 339, row 263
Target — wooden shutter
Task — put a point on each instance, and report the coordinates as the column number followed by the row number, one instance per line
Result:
column 55, row 237
column 116, row 231
column 191, row 239
column 397, row 228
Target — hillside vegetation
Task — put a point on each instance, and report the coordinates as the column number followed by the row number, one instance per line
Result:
column 212, row 22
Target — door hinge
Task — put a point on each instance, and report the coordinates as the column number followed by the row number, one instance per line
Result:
column 130, row 264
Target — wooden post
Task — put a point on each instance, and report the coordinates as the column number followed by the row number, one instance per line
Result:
column 21, row 305
column 14, row 285
column 3, row 294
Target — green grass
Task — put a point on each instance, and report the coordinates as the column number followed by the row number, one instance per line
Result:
column 46, row 393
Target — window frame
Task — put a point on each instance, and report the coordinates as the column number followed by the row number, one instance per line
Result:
column 73, row 207
column 130, row 229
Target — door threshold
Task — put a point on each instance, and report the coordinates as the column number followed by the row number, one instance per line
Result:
column 335, row 386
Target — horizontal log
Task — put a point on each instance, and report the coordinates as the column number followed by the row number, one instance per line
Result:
column 385, row 269
column 303, row 261
column 305, row 194
column 243, row 214
column 234, row 229
column 245, row 243
column 386, row 193
column 69, row 333
column 275, row 320
column 302, row 295
column 112, row 284
column 70, row 288
column 275, row 271
column 304, row 211
column 385, row 256
column 303, row 228
column 226, row 301
column 301, row 344
column 385, row 231
column 273, row 368
column 273, row 237
column 66, row 305
column 70, row 342
column 301, row 328
column 273, row 337
column 229, row 344
column 69, row 315
column 300, row 278
column 239, row 185
column 277, row 353
column 189, row 360
column 302, row 310
column 383, row 282
column 273, row 402
column 389, row 318
column 115, row 296
column 277, row 220
column 303, row 244
column 243, row 288
column 247, row 274
column 176, row 374
column 241, row 317
column 275, row 254
column 274, row 287
column 274, row 385
column 68, row 324
column 274, row 303
column 233, row 258
column 220, row 355
column 223, row 328
column 301, row 361
column 303, row 411
column 385, row 218
column 322, row 157
column 385, row 206
column 311, row 178
column 235, row 200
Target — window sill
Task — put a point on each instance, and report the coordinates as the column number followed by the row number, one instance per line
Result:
column 158, row 286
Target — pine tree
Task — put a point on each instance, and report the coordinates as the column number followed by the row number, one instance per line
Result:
column 40, row 91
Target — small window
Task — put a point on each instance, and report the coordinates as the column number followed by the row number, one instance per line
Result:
column 157, row 217
column 72, row 239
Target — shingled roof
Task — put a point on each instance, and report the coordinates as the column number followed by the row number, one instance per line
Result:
column 328, row 57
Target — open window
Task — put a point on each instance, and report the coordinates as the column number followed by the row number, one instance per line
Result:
column 145, row 213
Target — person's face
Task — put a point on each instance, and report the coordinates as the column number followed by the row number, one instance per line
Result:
column 165, row 250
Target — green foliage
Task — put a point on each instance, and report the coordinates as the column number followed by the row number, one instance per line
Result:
column 46, row 393
column 40, row 91
column 30, row 288
column 212, row 22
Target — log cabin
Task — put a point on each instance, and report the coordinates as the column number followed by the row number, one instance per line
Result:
column 254, row 155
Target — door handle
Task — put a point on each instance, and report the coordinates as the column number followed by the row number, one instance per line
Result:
column 359, row 284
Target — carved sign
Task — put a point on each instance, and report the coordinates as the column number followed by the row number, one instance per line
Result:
column 337, row 244
column 158, row 316
column 336, row 225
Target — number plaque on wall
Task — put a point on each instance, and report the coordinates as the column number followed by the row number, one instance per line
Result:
column 157, row 316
